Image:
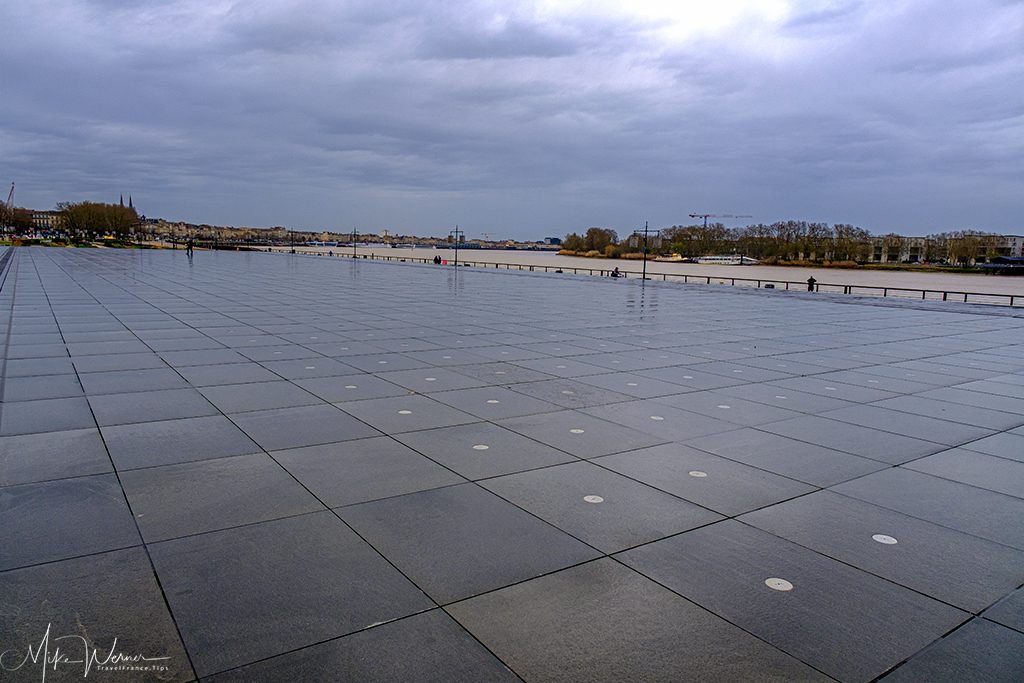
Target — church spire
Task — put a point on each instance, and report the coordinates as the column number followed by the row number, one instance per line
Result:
column 130, row 202
column 122, row 200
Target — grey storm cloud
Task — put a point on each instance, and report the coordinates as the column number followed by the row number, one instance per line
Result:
column 518, row 118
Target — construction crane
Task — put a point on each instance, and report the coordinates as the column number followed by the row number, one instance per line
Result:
column 10, row 198
column 706, row 216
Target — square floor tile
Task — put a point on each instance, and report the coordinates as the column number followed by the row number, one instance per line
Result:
column 357, row 471
column 147, row 406
column 493, row 402
column 405, row 413
column 653, row 417
column 723, row 406
column 460, row 541
column 604, row 509
column 1005, row 445
column 112, row 599
column 481, row 450
column 570, row 393
column 32, row 367
column 304, row 426
column 856, row 439
column 240, row 398
column 987, row 514
column 1009, row 611
column 580, row 434
column 725, row 486
column 503, row 374
column 877, row 417
column 429, row 648
column 798, row 460
column 239, row 595
column 308, row 367
column 633, row 385
column 43, row 386
column 842, row 621
column 430, row 379
column 45, row 415
column 124, row 381
column 232, row 373
column 963, row 570
column 352, row 387
column 120, row 361
column 52, row 455
column 977, row 469
column 149, row 444
column 190, row 498
column 980, row 651
column 602, row 622
column 57, row 520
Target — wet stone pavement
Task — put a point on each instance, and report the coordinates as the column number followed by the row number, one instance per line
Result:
column 264, row 467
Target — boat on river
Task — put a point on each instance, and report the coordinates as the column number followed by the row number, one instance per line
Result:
column 728, row 260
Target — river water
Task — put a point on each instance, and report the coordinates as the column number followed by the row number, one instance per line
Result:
column 828, row 278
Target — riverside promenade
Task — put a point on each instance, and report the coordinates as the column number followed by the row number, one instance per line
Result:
column 272, row 467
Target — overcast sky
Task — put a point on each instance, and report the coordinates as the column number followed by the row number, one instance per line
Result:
column 519, row 119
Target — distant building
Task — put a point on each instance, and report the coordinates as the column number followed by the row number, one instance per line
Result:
column 46, row 220
column 636, row 241
column 552, row 240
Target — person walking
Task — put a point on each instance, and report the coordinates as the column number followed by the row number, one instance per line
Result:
column 810, row 283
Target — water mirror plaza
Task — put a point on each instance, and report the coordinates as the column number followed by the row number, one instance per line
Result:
column 275, row 467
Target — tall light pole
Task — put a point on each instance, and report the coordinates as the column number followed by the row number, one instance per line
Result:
column 354, row 235
column 637, row 232
column 456, row 232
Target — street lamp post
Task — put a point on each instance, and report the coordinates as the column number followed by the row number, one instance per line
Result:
column 354, row 235
column 645, row 251
column 456, row 232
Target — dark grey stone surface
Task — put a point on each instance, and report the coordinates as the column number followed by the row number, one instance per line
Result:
column 52, row 455
column 194, row 497
column 980, row 651
column 791, row 458
column 358, row 471
column 241, row 594
column 45, row 415
column 579, row 434
column 1009, row 611
column 505, row 452
column 303, row 426
column 931, row 559
column 239, row 395
column 722, row 485
column 604, row 509
column 849, row 624
column 148, row 444
column 460, row 541
column 405, row 413
column 602, row 622
column 107, row 604
column 987, row 514
column 56, row 520
column 429, row 647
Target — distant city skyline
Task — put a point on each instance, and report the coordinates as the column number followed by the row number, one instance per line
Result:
column 521, row 120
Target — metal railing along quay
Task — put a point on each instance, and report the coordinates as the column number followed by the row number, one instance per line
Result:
column 825, row 287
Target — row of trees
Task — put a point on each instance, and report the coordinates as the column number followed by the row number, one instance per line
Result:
column 89, row 220
column 798, row 240
column 15, row 219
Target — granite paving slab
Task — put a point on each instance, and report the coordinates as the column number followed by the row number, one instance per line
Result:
column 556, row 628
column 460, row 541
column 846, row 623
column 211, row 455
column 239, row 596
